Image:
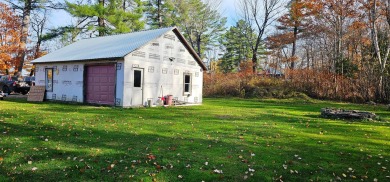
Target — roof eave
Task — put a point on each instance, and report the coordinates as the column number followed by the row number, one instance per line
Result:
column 84, row 60
column 191, row 50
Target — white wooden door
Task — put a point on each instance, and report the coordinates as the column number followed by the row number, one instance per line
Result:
column 138, row 79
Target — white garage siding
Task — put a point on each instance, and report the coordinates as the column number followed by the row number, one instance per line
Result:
column 165, row 61
column 161, row 57
column 68, row 80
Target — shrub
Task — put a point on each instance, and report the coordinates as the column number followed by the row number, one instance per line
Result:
column 298, row 83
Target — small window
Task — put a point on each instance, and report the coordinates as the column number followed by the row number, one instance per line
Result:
column 49, row 80
column 187, row 83
column 137, row 78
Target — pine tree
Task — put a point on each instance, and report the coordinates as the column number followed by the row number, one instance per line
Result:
column 237, row 47
column 160, row 13
column 201, row 22
column 108, row 16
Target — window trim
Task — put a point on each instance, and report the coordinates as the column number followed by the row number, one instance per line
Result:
column 47, row 80
column 184, row 84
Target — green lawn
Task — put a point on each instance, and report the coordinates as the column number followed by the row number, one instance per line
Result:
column 222, row 140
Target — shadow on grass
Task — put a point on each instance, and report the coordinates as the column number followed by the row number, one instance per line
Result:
column 92, row 143
column 82, row 155
column 78, row 154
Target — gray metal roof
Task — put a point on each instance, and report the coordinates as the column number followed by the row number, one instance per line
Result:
column 114, row 46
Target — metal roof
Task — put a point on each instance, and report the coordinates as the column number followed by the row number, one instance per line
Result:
column 114, row 46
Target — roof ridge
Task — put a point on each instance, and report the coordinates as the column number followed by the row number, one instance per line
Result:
column 144, row 30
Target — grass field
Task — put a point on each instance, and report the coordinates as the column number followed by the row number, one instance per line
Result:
column 222, row 140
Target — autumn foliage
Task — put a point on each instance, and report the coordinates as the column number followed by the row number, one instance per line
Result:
column 9, row 38
column 241, row 84
column 313, row 83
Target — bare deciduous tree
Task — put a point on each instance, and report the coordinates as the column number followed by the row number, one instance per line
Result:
column 259, row 14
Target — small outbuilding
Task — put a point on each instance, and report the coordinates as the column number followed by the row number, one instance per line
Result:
column 126, row 70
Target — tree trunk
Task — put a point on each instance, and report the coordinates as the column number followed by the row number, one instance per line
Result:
column 101, row 24
column 294, row 45
column 382, row 60
column 159, row 13
column 37, row 48
column 198, row 41
column 23, row 37
column 254, row 62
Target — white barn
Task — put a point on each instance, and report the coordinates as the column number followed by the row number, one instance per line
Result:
column 123, row 70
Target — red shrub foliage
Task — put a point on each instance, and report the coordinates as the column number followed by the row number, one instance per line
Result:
column 326, row 85
column 240, row 84
column 316, row 84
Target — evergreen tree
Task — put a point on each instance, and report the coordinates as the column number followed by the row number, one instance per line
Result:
column 237, row 47
column 160, row 13
column 201, row 22
column 108, row 16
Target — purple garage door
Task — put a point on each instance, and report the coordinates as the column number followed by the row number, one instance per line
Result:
column 100, row 86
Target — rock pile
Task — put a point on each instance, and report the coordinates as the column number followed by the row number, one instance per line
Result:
column 346, row 114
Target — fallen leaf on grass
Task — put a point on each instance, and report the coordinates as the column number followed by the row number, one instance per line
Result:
column 158, row 167
column 217, row 171
column 151, row 157
column 284, row 166
column 110, row 166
